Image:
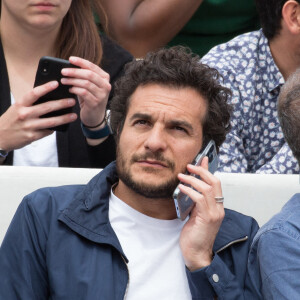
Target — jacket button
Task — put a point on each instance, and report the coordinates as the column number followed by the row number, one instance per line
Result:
column 215, row 278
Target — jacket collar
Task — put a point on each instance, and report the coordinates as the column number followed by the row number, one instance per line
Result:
column 88, row 216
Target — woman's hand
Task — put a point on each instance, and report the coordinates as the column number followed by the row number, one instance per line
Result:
column 91, row 84
column 21, row 124
column 200, row 231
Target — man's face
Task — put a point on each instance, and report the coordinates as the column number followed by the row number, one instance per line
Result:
column 162, row 133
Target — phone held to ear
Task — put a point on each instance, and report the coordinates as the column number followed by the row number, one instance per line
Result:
column 184, row 203
column 49, row 69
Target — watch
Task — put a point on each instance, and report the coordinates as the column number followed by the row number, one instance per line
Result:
column 3, row 153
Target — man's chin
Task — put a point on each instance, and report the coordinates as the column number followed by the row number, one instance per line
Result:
column 147, row 181
column 153, row 190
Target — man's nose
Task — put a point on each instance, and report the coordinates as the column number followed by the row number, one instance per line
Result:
column 156, row 139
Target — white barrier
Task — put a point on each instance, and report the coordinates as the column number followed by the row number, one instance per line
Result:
column 260, row 196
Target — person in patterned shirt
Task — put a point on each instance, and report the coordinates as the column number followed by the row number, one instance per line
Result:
column 254, row 66
column 274, row 263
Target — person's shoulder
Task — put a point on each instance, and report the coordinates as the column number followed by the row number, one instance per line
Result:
column 235, row 45
column 237, row 226
column 235, row 52
column 50, row 199
column 285, row 223
column 242, row 221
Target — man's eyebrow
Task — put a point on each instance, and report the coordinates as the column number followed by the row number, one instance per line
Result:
column 180, row 123
column 144, row 116
column 172, row 123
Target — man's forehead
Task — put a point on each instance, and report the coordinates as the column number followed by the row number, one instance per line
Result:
column 152, row 97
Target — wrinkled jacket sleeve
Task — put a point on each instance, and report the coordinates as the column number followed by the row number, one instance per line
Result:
column 276, row 254
column 204, row 284
column 23, row 272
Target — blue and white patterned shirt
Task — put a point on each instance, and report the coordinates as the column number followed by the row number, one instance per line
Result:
column 255, row 143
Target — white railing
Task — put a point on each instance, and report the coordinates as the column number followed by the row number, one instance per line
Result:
column 260, row 196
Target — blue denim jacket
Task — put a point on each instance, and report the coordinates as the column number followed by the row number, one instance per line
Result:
column 275, row 255
column 60, row 245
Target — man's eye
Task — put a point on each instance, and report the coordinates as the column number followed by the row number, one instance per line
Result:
column 141, row 122
column 178, row 128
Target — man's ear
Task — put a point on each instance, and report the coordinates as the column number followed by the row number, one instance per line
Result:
column 291, row 16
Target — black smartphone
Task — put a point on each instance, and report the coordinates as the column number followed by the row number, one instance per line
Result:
column 184, row 203
column 49, row 69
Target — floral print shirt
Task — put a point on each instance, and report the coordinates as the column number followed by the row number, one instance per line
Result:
column 255, row 143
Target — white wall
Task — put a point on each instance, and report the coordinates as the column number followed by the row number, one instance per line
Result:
column 260, row 196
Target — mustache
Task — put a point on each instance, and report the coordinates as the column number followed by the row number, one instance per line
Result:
column 154, row 156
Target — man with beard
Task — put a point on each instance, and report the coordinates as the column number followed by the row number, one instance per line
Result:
column 118, row 237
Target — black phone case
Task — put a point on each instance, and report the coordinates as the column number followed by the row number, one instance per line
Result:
column 49, row 69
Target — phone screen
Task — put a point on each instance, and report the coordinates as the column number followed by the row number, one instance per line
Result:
column 184, row 203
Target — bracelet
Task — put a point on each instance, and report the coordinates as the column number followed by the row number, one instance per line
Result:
column 91, row 127
column 97, row 134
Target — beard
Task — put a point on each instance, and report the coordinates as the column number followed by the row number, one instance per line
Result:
column 148, row 190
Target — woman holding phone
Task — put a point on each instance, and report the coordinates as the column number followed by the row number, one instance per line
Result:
column 30, row 29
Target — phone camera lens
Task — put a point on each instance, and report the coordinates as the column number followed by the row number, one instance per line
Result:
column 45, row 68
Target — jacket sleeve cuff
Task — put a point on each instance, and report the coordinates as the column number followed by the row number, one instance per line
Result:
column 199, row 284
column 209, row 281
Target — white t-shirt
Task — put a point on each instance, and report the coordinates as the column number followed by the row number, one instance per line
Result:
column 42, row 153
column 156, row 266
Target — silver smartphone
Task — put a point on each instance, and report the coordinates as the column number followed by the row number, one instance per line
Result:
column 184, row 203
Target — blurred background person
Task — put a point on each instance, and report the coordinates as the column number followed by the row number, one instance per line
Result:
column 274, row 264
column 142, row 26
column 254, row 66
column 64, row 29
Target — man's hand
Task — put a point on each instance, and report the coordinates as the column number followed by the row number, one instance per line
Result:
column 199, row 233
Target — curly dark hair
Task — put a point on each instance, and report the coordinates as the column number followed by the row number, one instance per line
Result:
column 175, row 67
column 270, row 14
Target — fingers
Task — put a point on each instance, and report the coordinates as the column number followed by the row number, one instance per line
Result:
column 204, row 163
column 51, row 106
column 21, row 125
column 30, row 116
column 85, row 64
column 88, row 71
column 202, row 191
column 49, row 122
column 37, row 92
column 91, row 84
column 87, row 90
